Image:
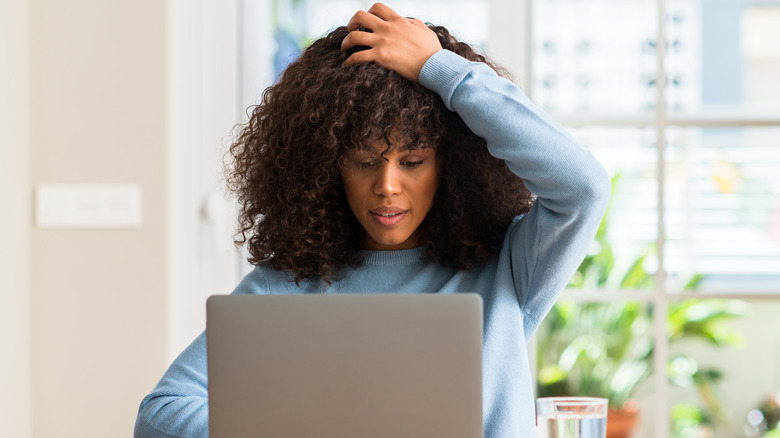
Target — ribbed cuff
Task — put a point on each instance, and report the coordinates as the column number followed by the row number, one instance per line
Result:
column 442, row 73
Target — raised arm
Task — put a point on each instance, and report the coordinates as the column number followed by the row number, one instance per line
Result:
column 572, row 188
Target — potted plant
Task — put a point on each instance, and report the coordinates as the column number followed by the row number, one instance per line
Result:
column 606, row 349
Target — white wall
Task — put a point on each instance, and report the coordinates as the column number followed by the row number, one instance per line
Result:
column 14, row 221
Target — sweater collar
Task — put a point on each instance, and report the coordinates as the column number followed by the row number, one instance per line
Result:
column 413, row 256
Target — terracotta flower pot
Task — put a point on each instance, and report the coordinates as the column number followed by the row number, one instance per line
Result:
column 621, row 421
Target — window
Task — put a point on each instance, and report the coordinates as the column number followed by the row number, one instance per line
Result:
column 684, row 113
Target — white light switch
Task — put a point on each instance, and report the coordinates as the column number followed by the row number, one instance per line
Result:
column 88, row 206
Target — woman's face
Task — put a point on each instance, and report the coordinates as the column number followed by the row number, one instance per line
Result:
column 391, row 194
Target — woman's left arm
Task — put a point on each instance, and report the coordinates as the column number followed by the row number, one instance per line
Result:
column 572, row 188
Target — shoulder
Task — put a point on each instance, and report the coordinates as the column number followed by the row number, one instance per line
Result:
column 264, row 279
column 261, row 280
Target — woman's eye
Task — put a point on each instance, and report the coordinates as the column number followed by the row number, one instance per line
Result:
column 364, row 164
column 413, row 164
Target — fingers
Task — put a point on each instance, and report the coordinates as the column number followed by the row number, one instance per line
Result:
column 394, row 42
column 364, row 19
column 375, row 19
column 364, row 56
column 384, row 12
column 358, row 39
column 417, row 22
column 375, row 16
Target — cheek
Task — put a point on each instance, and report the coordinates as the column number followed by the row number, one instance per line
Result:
column 352, row 187
column 430, row 186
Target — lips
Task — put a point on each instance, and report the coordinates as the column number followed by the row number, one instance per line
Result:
column 388, row 216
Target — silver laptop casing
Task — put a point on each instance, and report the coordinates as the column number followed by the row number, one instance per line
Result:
column 345, row 366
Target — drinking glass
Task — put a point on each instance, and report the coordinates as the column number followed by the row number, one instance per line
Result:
column 571, row 417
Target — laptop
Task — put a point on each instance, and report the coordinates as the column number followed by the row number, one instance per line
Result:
column 345, row 366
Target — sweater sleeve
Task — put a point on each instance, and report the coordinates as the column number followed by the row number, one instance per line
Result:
column 178, row 406
column 572, row 188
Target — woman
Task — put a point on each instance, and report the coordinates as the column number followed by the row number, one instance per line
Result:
column 391, row 157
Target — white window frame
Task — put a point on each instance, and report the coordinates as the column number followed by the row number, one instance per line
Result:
column 203, row 74
column 514, row 50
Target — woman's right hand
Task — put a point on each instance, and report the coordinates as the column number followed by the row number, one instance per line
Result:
column 395, row 42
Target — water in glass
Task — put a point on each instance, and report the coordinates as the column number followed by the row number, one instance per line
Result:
column 568, row 425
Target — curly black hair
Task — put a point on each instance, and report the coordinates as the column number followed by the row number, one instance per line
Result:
column 285, row 165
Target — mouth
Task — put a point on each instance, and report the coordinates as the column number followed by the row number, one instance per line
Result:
column 388, row 216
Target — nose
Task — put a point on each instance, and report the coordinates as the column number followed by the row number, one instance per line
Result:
column 387, row 181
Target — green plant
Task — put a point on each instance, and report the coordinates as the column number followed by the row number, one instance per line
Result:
column 608, row 359
column 764, row 420
column 688, row 420
column 606, row 349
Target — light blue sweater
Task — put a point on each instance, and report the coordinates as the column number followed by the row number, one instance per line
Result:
column 540, row 253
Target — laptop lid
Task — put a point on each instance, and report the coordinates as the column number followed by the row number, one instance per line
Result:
column 346, row 366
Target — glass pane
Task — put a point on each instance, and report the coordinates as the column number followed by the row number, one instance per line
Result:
column 594, row 56
column 468, row 20
column 324, row 15
column 725, row 362
column 296, row 23
column 723, row 55
column 600, row 350
column 722, row 209
column 623, row 255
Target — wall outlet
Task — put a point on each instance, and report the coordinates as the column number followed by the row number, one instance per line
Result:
column 88, row 206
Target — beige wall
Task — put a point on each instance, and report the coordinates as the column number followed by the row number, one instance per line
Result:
column 14, row 221
column 88, row 310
